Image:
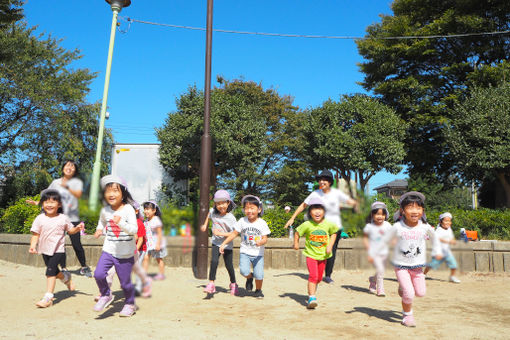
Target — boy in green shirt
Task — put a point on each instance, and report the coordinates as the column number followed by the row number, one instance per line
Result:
column 320, row 236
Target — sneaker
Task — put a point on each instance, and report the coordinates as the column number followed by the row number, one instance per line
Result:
column 381, row 293
column 147, row 288
column 454, row 279
column 327, row 279
column 103, row 302
column 258, row 294
column 210, row 288
column 372, row 287
column 408, row 321
column 67, row 280
column 45, row 302
column 233, row 289
column 159, row 277
column 85, row 271
column 312, row 302
column 127, row 310
column 249, row 284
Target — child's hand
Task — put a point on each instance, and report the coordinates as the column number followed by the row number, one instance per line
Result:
column 98, row 233
column 31, row 202
column 32, row 250
column 453, row 241
column 296, row 245
column 329, row 248
column 370, row 259
column 204, row 227
column 222, row 249
column 116, row 219
column 438, row 257
column 81, row 226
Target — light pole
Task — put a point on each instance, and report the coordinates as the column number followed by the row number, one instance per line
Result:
column 116, row 6
column 205, row 155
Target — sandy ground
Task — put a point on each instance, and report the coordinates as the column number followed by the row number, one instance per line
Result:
column 478, row 308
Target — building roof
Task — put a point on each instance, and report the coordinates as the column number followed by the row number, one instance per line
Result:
column 396, row 184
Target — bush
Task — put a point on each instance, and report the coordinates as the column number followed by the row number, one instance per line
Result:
column 276, row 219
column 18, row 218
column 89, row 217
column 173, row 215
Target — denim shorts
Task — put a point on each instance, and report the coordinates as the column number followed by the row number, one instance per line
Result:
column 258, row 266
column 450, row 262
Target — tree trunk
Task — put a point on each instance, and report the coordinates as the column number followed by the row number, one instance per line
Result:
column 506, row 186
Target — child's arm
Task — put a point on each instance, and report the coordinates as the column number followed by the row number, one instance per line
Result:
column 159, row 231
column 436, row 244
column 139, row 242
column 262, row 241
column 329, row 248
column 76, row 229
column 33, row 243
column 296, row 241
column 206, row 222
column 232, row 236
column 366, row 242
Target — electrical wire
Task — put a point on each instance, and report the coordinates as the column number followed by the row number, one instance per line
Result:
column 308, row 36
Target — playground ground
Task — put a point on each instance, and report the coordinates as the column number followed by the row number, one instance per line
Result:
column 478, row 308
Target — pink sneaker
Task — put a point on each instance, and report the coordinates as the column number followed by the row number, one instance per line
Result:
column 372, row 286
column 128, row 310
column 210, row 288
column 159, row 277
column 408, row 321
column 380, row 292
column 233, row 289
column 103, row 302
column 147, row 288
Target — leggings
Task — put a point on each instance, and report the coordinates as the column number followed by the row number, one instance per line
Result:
column 379, row 261
column 78, row 249
column 331, row 261
column 315, row 269
column 412, row 283
column 227, row 257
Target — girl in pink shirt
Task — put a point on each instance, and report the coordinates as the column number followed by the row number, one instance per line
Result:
column 48, row 238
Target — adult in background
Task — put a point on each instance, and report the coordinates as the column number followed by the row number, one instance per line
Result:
column 70, row 188
column 332, row 198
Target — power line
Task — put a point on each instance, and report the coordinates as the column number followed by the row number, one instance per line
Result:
column 309, row 36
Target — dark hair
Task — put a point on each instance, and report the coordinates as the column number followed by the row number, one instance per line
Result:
column 126, row 196
column 314, row 206
column 51, row 194
column 229, row 208
column 76, row 170
column 152, row 206
column 252, row 200
column 373, row 212
column 411, row 199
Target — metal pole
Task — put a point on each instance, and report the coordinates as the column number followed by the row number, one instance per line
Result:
column 96, row 172
column 205, row 155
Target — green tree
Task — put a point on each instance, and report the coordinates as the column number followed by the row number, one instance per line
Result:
column 357, row 134
column 478, row 135
column 44, row 115
column 249, row 135
column 10, row 13
column 421, row 78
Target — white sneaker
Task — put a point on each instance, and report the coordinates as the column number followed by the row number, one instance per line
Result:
column 454, row 279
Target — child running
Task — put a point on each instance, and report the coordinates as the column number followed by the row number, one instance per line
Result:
column 445, row 235
column 223, row 223
column 143, row 283
column 377, row 250
column 48, row 238
column 154, row 225
column 253, row 230
column 320, row 236
column 409, row 256
column 118, row 222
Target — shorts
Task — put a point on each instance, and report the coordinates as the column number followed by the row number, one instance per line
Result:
column 158, row 254
column 449, row 259
column 258, row 266
column 52, row 262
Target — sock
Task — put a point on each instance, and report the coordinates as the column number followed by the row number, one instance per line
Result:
column 408, row 313
column 312, row 296
column 48, row 295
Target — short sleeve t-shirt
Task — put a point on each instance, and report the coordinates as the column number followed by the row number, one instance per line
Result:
column 69, row 201
column 224, row 224
column 375, row 235
column 154, row 223
column 332, row 202
column 317, row 238
column 445, row 234
column 251, row 233
column 52, row 232
column 141, row 233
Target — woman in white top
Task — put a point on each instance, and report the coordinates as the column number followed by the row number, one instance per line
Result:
column 332, row 198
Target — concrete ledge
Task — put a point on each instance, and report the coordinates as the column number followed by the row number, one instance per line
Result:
column 493, row 256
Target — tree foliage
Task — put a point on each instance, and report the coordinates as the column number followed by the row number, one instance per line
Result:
column 357, row 134
column 250, row 136
column 479, row 135
column 421, row 78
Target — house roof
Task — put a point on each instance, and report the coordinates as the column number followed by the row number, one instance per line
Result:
column 396, row 184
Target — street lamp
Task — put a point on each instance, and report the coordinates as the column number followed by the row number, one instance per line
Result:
column 116, row 6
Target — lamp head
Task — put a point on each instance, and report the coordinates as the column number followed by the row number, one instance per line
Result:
column 119, row 4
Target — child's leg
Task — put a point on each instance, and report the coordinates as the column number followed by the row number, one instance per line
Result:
column 418, row 279
column 146, row 262
column 313, row 275
column 244, row 266
column 106, row 261
column 161, row 266
column 228, row 256
column 379, row 275
column 109, row 276
column 404, row 280
column 215, row 255
column 451, row 263
column 123, row 267
column 258, row 271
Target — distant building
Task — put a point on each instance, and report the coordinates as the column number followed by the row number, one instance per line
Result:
column 393, row 189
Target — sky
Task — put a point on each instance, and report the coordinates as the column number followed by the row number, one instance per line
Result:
column 153, row 65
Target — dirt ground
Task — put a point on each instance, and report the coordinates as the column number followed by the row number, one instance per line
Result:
column 478, row 308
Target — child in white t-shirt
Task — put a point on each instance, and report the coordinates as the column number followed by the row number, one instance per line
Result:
column 445, row 235
column 377, row 250
column 48, row 238
column 253, row 231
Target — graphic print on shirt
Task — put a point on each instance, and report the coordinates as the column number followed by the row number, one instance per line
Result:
column 409, row 248
column 251, row 236
column 318, row 238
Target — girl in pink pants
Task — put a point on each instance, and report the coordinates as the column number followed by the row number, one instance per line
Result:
column 409, row 258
